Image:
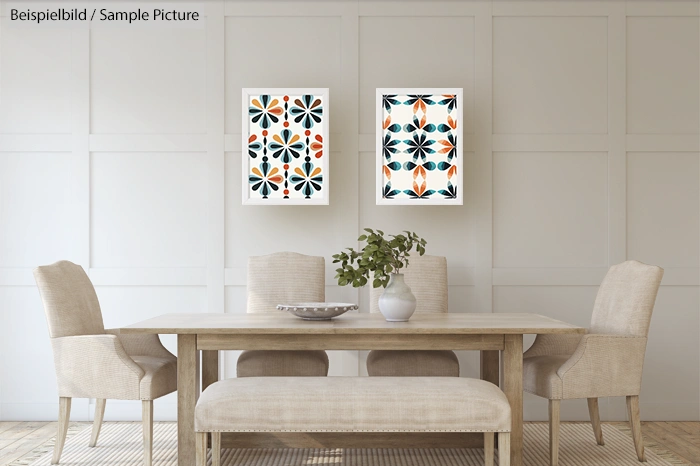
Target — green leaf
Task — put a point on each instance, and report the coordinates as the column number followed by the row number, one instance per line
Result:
column 362, row 238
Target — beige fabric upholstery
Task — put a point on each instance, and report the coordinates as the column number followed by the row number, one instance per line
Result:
column 390, row 363
column 609, row 360
column 92, row 362
column 282, row 363
column 427, row 277
column 352, row 404
column 626, row 299
column 70, row 302
column 283, row 277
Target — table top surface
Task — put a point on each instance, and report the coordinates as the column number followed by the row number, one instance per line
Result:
column 279, row 322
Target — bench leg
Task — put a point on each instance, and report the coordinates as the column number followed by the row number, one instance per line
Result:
column 201, row 448
column 216, row 449
column 504, row 449
column 488, row 448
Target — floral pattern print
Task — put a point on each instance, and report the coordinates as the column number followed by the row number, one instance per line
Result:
column 307, row 179
column 307, row 110
column 286, row 147
column 420, row 148
column 265, row 111
column 265, row 179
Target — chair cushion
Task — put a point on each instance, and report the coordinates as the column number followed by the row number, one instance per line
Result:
column 412, row 363
column 263, row 363
column 160, row 376
column 352, row 404
column 540, row 376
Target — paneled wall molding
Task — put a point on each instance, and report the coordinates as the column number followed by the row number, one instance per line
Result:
column 663, row 143
column 36, row 142
column 526, row 276
column 458, row 276
column 148, row 143
column 577, row 156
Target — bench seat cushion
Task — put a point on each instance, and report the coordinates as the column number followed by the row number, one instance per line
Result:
column 352, row 404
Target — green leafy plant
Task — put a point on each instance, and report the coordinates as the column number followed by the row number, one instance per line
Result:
column 379, row 258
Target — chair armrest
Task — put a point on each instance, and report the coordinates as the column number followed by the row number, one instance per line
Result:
column 554, row 345
column 604, row 365
column 142, row 345
column 95, row 366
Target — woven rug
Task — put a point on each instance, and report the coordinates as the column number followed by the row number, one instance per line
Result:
column 120, row 444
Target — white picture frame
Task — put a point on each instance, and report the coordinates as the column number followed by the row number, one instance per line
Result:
column 280, row 144
column 453, row 186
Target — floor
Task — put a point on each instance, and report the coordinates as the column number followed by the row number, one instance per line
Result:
column 681, row 438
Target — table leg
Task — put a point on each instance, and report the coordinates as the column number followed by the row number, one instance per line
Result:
column 187, row 393
column 489, row 367
column 513, row 388
column 210, row 368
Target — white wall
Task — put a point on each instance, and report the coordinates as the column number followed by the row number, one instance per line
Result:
column 120, row 150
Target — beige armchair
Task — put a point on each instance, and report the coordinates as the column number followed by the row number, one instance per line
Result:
column 92, row 362
column 279, row 278
column 605, row 362
column 427, row 277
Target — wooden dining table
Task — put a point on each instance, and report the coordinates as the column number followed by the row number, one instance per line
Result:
column 489, row 333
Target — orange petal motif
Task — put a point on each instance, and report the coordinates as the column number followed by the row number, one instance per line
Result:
column 256, row 103
column 257, row 172
column 451, row 172
column 276, row 111
column 319, row 138
column 451, row 122
column 273, row 103
column 299, row 172
column 273, row 171
column 422, row 121
column 252, row 138
column 278, row 139
column 316, row 171
column 276, row 179
column 294, row 139
column 387, row 122
column 387, row 172
column 319, row 154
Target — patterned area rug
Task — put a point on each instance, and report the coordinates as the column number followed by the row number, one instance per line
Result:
column 120, row 444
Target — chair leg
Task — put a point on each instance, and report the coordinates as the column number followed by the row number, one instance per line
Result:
column 216, row 449
column 147, row 419
column 488, row 449
column 636, row 425
column 63, row 421
column 554, row 406
column 97, row 422
column 595, row 420
column 201, row 449
column 504, row 449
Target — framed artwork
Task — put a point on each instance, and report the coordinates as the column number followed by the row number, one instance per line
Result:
column 419, row 150
column 285, row 146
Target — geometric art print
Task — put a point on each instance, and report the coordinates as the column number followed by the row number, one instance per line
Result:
column 419, row 153
column 285, row 146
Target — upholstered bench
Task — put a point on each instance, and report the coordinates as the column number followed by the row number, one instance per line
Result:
column 353, row 404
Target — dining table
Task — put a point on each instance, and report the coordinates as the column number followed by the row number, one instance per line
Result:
column 498, row 337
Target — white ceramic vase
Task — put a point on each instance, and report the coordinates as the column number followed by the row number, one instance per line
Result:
column 397, row 303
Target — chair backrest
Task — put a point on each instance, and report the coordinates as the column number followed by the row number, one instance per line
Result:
column 626, row 299
column 70, row 301
column 284, row 277
column 427, row 278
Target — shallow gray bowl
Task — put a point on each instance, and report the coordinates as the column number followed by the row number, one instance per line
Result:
column 317, row 311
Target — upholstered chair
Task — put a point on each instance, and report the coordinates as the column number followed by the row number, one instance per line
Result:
column 605, row 362
column 427, row 277
column 283, row 277
column 92, row 362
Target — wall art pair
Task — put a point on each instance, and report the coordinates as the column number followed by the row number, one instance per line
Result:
column 418, row 145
